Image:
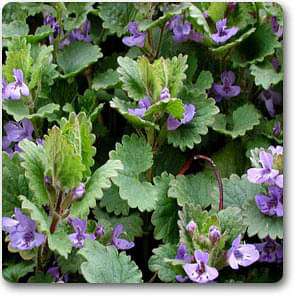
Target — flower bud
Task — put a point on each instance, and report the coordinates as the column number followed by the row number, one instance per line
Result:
column 99, row 232
column 277, row 129
column 191, row 227
column 79, row 191
column 214, row 234
column 165, row 94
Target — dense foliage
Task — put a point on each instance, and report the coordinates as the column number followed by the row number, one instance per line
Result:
column 142, row 142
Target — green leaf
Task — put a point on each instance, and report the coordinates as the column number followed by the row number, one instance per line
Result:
column 193, row 189
column 72, row 264
column 197, row 18
column 242, row 120
column 106, row 265
column 136, row 156
column 217, row 10
column 41, row 33
column 14, row 273
column 17, row 57
column 237, row 191
column 132, row 223
column 230, row 159
column 37, row 214
column 157, row 262
column 116, row 16
column 231, row 222
column 113, row 203
column 106, row 80
column 15, row 28
column 224, row 49
column 14, row 184
column 101, row 179
column 33, row 157
column 41, row 277
column 204, row 81
column 165, row 216
column 76, row 57
column 261, row 224
column 18, row 109
column 59, row 242
column 266, row 42
column 75, row 14
column 45, row 111
column 188, row 135
column 123, row 106
column 63, row 164
column 78, row 129
column 41, row 64
column 130, row 77
column 265, row 74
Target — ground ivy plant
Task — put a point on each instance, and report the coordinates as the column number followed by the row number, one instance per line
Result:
column 142, row 142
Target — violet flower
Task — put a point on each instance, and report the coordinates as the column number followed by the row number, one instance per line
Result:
column 99, row 232
column 22, row 231
column 271, row 205
column 276, row 28
column 191, row 227
column 189, row 113
column 57, row 277
column 277, row 128
column 214, row 234
column 78, row 192
column 54, row 25
column 226, row 89
column 223, row 33
column 5, row 94
column 120, row 244
column 241, row 254
column 79, row 236
column 271, row 100
column 200, row 272
column 275, row 64
column 136, row 38
column 270, row 251
column 265, row 174
column 164, row 94
column 182, row 30
column 16, row 89
column 182, row 254
column 143, row 104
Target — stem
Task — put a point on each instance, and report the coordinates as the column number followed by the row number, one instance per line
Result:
column 217, row 175
column 55, row 220
column 185, row 166
column 159, row 41
column 152, row 278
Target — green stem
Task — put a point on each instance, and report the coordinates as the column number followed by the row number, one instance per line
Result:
column 159, row 41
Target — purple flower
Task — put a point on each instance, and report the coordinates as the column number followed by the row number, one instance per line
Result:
column 278, row 150
column 79, row 236
column 276, row 64
column 270, row 251
column 136, row 38
column 241, row 254
column 54, row 25
column 182, row 30
column 99, row 232
column 165, row 94
column 277, row 128
column 271, row 100
column 143, row 104
column 4, row 90
column 200, row 272
column 223, row 33
column 18, row 131
column 214, row 234
column 226, row 89
column 120, row 244
column 22, row 231
column 182, row 254
column 265, row 174
column 271, row 205
column 55, row 273
column 16, row 89
column 79, row 191
column 276, row 28
column 191, row 227
column 189, row 113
